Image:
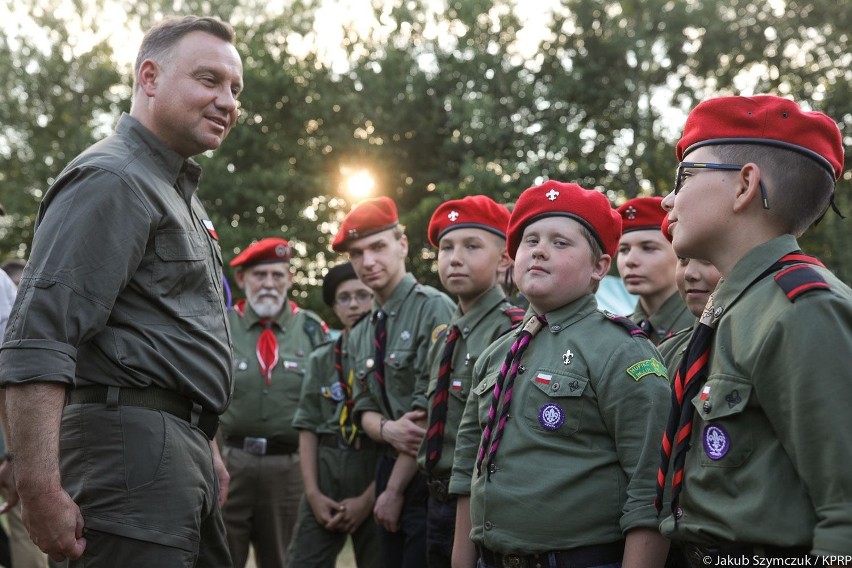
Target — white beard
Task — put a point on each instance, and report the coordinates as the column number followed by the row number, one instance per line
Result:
column 266, row 307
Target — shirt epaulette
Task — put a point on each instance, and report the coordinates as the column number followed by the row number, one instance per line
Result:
column 624, row 322
column 310, row 325
column 800, row 279
column 515, row 315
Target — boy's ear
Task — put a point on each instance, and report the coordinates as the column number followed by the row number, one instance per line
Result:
column 505, row 263
column 601, row 267
column 748, row 187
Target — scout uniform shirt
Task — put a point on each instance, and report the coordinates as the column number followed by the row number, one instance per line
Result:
column 672, row 317
column 479, row 328
column 416, row 316
column 124, row 283
column 579, row 454
column 771, row 444
column 673, row 348
column 264, row 410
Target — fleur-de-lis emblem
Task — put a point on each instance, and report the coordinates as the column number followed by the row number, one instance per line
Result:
column 552, row 195
column 453, row 215
column 567, row 356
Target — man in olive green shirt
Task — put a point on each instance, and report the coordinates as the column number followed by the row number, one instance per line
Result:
column 338, row 460
column 388, row 352
column 646, row 264
column 766, row 474
column 272, row 340
column 470, row 235
column 117, row 362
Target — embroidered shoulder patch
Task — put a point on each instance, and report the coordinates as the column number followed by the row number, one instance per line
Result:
column 647, row 367
column 438, row 332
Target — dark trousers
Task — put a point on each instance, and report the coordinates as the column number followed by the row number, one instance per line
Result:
column 405, row 548
column 440, row 532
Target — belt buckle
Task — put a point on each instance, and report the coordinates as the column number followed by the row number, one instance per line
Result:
column 255, row 446
column 441, row 493
column 513, row 561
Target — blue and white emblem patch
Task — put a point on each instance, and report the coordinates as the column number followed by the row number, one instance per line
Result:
column 716, row 441
column 337, row 393
column 551, row 416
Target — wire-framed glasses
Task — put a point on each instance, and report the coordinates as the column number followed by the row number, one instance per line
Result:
column 346, row 298
column 682, row 175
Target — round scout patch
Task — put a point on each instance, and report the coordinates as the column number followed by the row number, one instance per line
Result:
column 551, row 416
column 337, row 393
column 716, row 441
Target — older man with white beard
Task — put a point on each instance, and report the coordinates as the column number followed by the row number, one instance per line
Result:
column 272, row 339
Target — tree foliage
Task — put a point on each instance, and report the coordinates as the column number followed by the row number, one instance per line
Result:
column 436, row 103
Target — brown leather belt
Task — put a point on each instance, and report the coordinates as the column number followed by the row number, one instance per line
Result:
column 261, row 446
column 580, row 557
column 151, row 397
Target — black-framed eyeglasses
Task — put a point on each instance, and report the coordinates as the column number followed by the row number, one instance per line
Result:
column 345, row 299
column 681, row 175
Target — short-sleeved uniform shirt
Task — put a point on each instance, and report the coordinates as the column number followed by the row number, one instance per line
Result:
column 124, row 283
column 578, row 459
column 416, row 316
column 488, row 320
column 771, row 442
column 323, row 398
column 672, row 317
column 266, row 410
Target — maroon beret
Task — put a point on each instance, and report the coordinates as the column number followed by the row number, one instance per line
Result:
column 557, row 199
column 641, row 213
column 764, row 119
column 367, row 218
column 473, row 211
column 262, row 252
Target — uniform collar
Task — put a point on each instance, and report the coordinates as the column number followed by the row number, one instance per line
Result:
column 175, row 167
column 750, row 267
column 567, row 315
column 400, row 293
column 252, row 319
column 672, row 309
column 483, row 307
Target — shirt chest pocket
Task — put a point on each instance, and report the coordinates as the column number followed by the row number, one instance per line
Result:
column 181, row 274
column 725, row 430
column 400, row 373
column 484, row 392
column 554, row 402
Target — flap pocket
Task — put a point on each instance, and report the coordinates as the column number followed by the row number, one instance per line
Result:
column 178, row 245
column 725, row 429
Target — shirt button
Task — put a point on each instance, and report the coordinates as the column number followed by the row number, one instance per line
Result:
column 707, row 407
column 488, row 526
column 492, row 468
column 556, row 327
column 521, row 370
column 554, row 387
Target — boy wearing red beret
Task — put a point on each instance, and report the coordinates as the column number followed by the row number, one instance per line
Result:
column 646, row 264
column 388, row 352
column 470, row 235
column 764, row 390
column 556, row 452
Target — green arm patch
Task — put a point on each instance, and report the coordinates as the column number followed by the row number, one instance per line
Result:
column 647, row 367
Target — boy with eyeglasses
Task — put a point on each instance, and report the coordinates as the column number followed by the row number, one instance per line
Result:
column 338, row 461
column 764, row 389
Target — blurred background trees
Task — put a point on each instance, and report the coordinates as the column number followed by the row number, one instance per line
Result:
column 430, row 100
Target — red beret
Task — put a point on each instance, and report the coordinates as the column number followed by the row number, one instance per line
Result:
column 556, row 199
column 367, row 218
column 764, row 119
column 262, row 252
column 665, row 228
column 641, row 213
column 473, row 211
